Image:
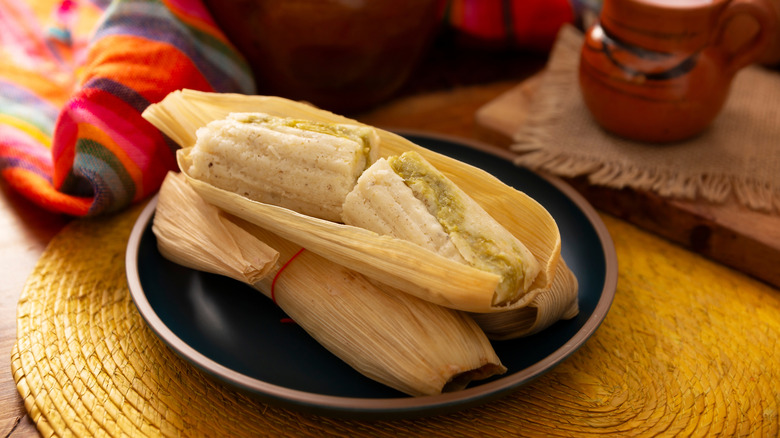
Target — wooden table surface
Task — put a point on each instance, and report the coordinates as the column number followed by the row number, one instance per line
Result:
column 25, row 231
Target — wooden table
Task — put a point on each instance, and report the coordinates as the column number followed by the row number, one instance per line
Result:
column 25, row 231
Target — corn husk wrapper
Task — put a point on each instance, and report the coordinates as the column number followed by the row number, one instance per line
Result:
column 558, row 302
column 404, row 342
column 183, row 239
column 394, row 262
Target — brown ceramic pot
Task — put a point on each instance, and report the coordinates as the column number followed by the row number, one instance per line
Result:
column 660, row 70
column 341, row 55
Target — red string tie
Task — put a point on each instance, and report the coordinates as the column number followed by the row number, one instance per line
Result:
column 276, row 277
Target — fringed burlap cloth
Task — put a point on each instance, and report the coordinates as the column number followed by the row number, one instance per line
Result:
column 738, row 155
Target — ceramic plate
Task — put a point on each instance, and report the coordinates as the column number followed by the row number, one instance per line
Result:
column 234, row 333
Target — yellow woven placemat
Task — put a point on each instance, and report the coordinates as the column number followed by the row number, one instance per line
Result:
column 688, row 347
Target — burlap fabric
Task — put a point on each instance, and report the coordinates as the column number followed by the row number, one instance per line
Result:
column 688, row 347
column 736, row 157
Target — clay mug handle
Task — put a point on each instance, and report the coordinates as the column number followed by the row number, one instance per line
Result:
column 752, row 50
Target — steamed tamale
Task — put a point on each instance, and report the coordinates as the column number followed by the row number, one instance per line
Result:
column 392, row 261
column 404, row 196
column 303, row 165
column 406, row 343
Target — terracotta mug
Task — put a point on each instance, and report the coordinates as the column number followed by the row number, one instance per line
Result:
column 660, row 70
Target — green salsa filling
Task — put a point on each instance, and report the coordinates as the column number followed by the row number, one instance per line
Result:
column 432, row 187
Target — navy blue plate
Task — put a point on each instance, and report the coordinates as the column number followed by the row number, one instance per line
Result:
column 234, row 333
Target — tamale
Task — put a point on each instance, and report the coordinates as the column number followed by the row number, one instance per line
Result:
column 391, row 261
column 405, row 197
column 302, row 165
column 409, row 344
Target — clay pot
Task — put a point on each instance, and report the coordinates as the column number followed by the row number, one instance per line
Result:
column 660, row 70
column 341, row 55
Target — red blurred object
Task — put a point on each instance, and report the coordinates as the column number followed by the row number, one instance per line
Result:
column 525, row 24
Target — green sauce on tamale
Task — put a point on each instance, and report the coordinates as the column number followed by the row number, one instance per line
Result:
column 431, row 186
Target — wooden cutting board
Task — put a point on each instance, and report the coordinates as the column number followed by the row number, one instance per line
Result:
column 729, row 233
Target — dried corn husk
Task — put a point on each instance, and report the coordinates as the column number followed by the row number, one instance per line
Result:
column 552, row 305
column 406, row 343
column 391, row 261
column 183, row 238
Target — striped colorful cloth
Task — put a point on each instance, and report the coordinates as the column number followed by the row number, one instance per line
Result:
column 74, row 78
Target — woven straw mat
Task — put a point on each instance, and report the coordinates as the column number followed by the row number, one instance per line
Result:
column 663, row 362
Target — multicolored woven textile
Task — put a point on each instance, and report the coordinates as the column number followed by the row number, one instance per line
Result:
column 74, row 79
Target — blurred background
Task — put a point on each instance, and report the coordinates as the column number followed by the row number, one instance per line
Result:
column 350, row 55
